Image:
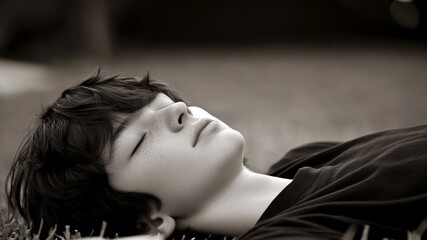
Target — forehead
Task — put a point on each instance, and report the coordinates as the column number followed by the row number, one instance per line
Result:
column 121, row 121
column 158, row 102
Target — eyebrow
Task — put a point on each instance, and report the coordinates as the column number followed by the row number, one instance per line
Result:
column 123, row 125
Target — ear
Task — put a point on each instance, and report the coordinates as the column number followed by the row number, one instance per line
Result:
column 166, row 224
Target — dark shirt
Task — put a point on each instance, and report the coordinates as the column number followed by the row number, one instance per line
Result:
column 378, row 180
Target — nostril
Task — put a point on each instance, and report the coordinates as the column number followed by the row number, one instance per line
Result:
column 180, row 118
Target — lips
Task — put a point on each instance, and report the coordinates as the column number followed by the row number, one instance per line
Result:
column 198, row 127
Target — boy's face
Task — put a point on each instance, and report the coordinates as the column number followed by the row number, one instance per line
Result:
column 181, row 155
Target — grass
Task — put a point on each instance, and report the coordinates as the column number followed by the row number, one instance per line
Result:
column 17, row 231
column 13, row 230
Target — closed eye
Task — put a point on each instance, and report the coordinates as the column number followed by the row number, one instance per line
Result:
column 137, row 145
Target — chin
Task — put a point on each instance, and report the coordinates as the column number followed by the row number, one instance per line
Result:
column 233, row 137
column 233, row 145
column 240, row 141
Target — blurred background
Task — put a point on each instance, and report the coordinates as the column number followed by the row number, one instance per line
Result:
column 283, row 73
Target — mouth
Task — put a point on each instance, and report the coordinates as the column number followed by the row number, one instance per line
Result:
column 198, row 127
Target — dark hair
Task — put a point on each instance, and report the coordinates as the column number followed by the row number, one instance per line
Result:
column 58, row 173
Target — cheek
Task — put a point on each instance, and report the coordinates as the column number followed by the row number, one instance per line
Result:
column 156, row 168
column 172, row 166
column 184, row 177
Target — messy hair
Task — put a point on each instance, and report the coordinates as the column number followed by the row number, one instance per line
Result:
column 58, row 175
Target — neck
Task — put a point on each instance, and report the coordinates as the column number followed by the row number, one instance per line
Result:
column 237, row 208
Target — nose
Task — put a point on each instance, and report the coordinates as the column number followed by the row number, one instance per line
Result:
column 177, row 115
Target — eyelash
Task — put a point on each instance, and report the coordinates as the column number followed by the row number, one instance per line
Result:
column 142, row 138
column 137, row 145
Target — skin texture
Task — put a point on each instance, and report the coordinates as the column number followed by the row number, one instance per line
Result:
column 202, row 186
column 166, row 164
